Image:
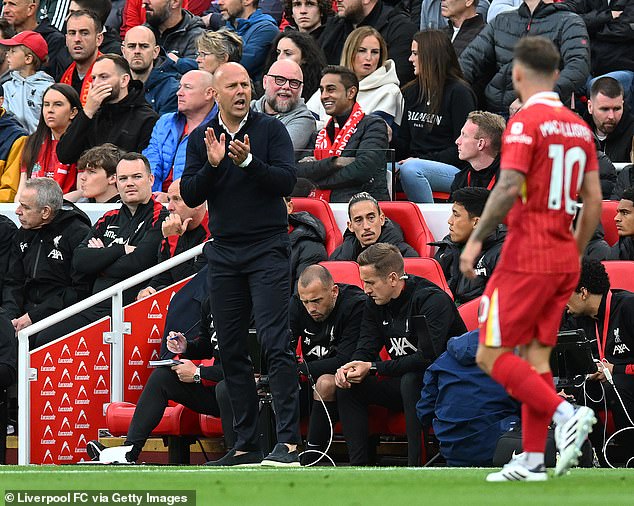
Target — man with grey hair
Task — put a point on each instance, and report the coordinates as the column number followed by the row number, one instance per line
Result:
column 41, row 279
column 282, row 99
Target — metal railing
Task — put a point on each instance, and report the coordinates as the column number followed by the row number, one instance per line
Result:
column 114, row 338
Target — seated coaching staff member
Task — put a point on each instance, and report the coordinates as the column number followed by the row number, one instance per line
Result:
column 389, row 319
column 242, row 162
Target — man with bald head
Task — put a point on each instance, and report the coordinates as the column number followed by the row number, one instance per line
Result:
column 283, row 85
column 241, row 162
column 168, row 143
column 158, row 73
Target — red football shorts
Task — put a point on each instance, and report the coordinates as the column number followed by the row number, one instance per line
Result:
column 517, row 307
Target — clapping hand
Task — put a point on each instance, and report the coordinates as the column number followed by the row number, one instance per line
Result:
column 215, row 147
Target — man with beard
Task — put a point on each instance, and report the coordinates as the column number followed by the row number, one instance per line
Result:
column 176, row 29
column 115, row 111
column 83, row 38
column 158, row 74
column 256, row 29
column 610, row 119
column 282, row 99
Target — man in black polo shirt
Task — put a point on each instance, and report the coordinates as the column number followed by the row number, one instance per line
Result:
column 392, row 318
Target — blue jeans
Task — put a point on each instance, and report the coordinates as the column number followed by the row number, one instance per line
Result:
column 625, row 77
column 420, row 177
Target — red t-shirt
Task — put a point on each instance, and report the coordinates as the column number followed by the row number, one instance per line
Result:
column 47, row 165
column 553, row 147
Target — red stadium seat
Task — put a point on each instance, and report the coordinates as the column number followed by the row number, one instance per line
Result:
column 608, row 212
column 211, row 426
column 427, row 268
column 412, row 222
column 469, row 313
column 344, row 271
column 177, row 420
column 621, row 274
column 320, row 209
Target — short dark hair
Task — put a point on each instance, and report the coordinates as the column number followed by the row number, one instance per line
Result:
column 119, row 61
column 385, row 258
column 100, row 7
column 362, row 197
column 90, row 14
column 607, row 86
column 472, row 198
column 313, row 272
column 593, row 277
column 347, row 76
column 324, row 6
column 105, row 156
column 628, row 194
column 133, row 156
column 538, row 54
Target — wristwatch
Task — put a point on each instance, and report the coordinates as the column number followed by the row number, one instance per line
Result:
column 372, row 370
column 196, row 376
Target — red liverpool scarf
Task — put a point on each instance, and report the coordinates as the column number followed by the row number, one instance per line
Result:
column 67, row 78
column 325, row 148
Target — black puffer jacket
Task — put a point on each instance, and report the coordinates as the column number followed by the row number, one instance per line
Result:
column 127, row 124
column 181, row 39
column 448, row 255
column 367, row 173
column 7, row 232
column 491, row 52
column 41, row 278
column 598, row 249
column 624, row 180
column 307, row 243
column 391, row 233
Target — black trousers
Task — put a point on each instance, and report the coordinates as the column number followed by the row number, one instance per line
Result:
column 396, row 394
column 163, row 385
column 255, row 278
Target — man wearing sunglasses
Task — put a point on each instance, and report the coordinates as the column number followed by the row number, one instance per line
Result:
column 282, row 99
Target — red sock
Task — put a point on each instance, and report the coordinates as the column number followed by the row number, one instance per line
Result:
column 535, row 425
column 523, row 383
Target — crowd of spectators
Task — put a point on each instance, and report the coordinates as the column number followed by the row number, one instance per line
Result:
column 95, row 111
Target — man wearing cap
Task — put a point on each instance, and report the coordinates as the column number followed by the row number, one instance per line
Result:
column 23, row 93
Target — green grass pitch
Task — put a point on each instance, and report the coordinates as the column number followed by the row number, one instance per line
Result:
column 334, row 487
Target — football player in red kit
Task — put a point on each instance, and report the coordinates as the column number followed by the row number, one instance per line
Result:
column 548, row 159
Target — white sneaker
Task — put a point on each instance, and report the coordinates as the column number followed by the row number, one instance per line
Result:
column 115, row 455
column 517, row 470
column 570, row 436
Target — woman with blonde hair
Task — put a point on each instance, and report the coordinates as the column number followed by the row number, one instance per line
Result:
column 216, row 48
column 365, row 53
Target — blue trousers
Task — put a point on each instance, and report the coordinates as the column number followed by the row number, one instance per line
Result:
column 420, row 177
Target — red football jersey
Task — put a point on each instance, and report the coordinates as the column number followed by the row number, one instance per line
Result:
column 554, row 148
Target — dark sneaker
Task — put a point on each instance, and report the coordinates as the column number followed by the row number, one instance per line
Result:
column 231, row 459
column 281, row 456
column 94, row 449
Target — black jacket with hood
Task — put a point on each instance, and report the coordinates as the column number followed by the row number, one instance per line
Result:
column 41, row 278
column 127, row 124
column 308, row 238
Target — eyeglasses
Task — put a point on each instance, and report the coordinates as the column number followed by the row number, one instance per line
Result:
column 281, row 81
column 203, row 54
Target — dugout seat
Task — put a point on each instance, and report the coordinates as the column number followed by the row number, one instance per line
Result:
column 427, row 268
column 177, row 420
column 321, row 210
column 608, row 212
column 412, row 222
column 621, row 274
column 344, row 271
column 469, row 313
